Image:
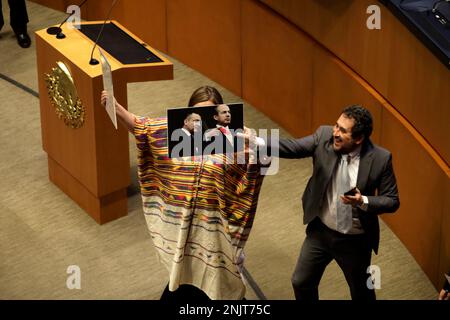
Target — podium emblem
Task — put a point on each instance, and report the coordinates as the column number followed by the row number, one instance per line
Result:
column 63, row 96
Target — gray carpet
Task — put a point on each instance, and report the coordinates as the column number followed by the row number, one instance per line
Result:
column 43, row 232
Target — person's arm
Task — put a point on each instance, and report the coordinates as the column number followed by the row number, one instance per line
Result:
column 251, row 156
column 387, row 200
column 125, row 117
column 297, row 148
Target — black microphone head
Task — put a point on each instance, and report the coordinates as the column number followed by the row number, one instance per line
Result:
column 54, row 30
column 60, row 35
column 93, row 61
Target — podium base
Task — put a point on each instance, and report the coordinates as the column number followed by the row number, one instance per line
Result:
column 102, row 209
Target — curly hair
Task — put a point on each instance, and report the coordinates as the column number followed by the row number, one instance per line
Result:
column 363, row 120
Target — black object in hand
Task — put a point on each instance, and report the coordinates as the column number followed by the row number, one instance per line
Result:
column 351, row 192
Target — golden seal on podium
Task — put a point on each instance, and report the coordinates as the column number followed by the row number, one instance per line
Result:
column 63, row 95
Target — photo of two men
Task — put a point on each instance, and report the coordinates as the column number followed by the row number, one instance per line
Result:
column 197, row 131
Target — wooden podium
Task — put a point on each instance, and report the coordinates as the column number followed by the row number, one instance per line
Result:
column 91, row 163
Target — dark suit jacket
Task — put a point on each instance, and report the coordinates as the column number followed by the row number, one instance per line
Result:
column 187, row 143
column 376, row 178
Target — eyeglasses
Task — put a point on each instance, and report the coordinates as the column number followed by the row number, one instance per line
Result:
column 440, row 9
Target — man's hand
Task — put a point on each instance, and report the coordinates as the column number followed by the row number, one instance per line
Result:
column 355, row 200
column 249, row 136
column 443, row 295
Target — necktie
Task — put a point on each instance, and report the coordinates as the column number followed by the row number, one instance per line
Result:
column 223, row 130
column 343, row 211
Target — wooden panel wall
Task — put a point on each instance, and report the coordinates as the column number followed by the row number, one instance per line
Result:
column 419, row 87
column 340, row 26
column 418, row 221
column 277, row 68
column 205, row 35
column 334, row 88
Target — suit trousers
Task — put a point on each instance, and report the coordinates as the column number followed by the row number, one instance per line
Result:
column 351, row 252
column 18, row 15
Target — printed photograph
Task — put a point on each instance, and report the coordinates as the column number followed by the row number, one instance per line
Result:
column 196, row 131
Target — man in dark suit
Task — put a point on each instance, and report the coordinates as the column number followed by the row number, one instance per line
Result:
column 18, row 21
column 342, row 227
column 222, row 137
column 185, row 137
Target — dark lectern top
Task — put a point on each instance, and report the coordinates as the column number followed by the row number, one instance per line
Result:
column 119, row 44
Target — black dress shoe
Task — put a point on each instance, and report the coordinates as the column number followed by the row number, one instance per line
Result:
column 23, row 39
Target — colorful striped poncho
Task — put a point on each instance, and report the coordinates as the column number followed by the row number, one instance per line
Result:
column 199, row 213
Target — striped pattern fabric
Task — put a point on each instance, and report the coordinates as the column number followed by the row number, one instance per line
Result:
column 199, row 212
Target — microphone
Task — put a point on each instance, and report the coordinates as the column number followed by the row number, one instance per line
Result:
column 94, row 61
column 58, row 30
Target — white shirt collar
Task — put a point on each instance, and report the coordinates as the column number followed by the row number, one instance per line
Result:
column 186, row 131
column 355, row 153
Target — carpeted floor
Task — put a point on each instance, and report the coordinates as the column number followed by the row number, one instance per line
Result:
column 43, row 232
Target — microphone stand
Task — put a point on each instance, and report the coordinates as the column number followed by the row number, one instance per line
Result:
column 94, row 61
column 58, row 30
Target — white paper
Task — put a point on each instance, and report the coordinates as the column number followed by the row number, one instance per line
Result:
column 108, row 86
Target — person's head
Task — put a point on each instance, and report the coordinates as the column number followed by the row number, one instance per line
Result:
column 223, row 115
column 353, row 127
column 192, row 122
column 205, row 96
